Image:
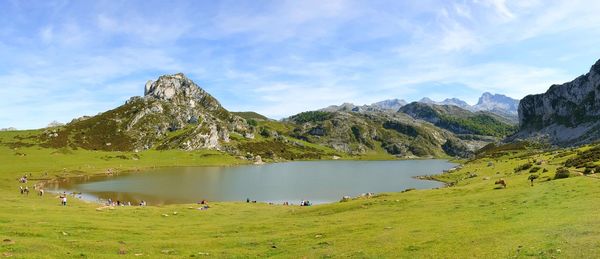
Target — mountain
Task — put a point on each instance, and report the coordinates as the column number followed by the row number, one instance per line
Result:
column 566, row 114
column 497, row 103
column 427, row 100
column 371, row 132
column 392, row 104
column 349, row 107
column 459, row 120
column 449, row 101
column 173, row 113
column 456, row 102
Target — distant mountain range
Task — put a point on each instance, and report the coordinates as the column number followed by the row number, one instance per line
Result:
column 498, row 104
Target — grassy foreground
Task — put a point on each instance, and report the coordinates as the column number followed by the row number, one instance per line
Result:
column 474, row 218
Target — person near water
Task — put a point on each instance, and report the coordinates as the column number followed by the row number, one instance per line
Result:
column 63, row 200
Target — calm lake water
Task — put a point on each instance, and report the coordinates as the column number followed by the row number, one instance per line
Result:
column 316, row 181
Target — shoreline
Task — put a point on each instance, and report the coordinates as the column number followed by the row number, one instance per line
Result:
column 43, row 183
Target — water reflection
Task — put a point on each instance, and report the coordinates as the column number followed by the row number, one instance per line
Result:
column 318, row 181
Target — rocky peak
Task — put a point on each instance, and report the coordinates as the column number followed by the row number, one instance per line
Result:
column 427, row 100
column 488, row 97
column 179, row 89
column 392, row 104
column 456, row 102
column 497, row 103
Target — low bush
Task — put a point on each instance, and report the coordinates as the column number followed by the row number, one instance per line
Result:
column 534, row 169
column 561, row 173
column 523, row 167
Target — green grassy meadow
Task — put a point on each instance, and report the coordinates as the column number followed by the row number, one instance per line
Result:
column 472, row 219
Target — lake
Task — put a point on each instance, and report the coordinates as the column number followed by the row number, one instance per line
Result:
column 316, row 181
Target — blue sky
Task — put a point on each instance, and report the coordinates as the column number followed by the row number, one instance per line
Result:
column 65, row 59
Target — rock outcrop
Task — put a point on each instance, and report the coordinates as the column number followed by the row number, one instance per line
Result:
column 567, row 114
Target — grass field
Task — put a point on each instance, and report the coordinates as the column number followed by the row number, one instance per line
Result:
column 472, row 219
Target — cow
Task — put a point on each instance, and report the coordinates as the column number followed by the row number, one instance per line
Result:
column 501, row 182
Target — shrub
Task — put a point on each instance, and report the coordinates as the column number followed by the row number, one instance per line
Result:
column 562, row 173
column 588, row 170
column 584, row 157
column 534, row 169
column 545, row 170
column 265, row 132
column 523, row 167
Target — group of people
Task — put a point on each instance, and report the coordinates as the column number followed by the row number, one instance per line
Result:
column 24, row 190
column 305, row 203
column 110, row 202
column 63, row 199
column 285, row 203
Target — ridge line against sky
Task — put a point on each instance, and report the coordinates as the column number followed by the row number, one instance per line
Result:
column 65, row 59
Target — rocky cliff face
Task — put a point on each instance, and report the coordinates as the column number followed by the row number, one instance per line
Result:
column 566, row 114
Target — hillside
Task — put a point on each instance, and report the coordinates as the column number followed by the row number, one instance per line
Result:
column 367, row 132
column 173, row 113
column 458, row 120
column 567, row 114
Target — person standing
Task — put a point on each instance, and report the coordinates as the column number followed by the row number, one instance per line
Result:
column 63, row 199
